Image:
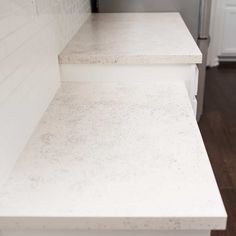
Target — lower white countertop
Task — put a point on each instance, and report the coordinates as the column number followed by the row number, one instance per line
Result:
column 114, row 155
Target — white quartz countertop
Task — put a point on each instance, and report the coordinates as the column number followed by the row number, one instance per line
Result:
column 114, row 155
column 132, row 38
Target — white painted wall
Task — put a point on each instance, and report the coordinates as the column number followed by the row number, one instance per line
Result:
column 32, row 33
column 222, row 31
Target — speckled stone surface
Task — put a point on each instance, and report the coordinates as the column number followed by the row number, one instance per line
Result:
column 132, row 38
column 114, row 155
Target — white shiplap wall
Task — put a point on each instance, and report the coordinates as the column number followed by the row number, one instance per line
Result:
column 32, row 34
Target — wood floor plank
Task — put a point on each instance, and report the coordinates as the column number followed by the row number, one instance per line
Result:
column 218, row 128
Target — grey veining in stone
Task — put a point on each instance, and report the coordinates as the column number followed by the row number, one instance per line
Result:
column 114, row 155
column 132, row 38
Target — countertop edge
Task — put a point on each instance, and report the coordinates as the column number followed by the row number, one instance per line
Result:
column 131, row 60
column 114, row 223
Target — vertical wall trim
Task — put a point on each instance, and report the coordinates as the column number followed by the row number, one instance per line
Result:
column 216, row 32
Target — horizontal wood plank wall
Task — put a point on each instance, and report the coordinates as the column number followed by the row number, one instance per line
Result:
column 32, row 34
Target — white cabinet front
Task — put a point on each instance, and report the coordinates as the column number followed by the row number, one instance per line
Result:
column 229, row 31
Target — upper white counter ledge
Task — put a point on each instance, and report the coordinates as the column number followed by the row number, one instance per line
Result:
column 132, row 38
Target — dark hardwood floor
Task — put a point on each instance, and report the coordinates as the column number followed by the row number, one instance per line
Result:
column 218, row 128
